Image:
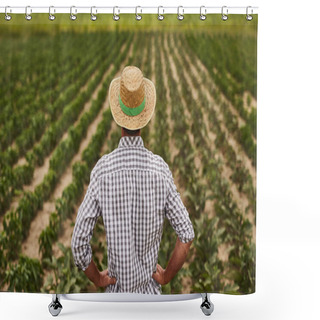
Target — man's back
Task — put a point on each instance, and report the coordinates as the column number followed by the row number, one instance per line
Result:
column 133, row 190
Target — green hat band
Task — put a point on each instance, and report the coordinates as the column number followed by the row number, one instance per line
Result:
column 132, row 111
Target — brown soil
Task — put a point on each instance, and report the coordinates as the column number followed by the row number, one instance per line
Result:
column 223, row 253
column 172, row 147
column 153, row 60
column 186, row 285
column 253, row 101
column 233, row 110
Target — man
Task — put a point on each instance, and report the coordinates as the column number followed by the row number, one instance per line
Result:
column 133, row 190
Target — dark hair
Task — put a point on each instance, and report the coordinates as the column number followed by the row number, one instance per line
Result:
column 131, row 132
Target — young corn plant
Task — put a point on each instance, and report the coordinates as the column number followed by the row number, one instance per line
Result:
column 206, row 268
column 24, row 276
column 65, row 276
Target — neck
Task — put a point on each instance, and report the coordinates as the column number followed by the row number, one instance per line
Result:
column 124, row 133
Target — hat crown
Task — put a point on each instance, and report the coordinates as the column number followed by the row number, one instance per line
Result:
column 132, row 88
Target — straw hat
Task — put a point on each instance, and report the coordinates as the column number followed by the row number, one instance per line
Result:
column 132, row 99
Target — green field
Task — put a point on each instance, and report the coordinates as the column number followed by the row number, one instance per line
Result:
column 55, row 123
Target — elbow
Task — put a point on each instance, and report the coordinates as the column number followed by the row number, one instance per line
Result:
column 185, row 244
column 76, row 253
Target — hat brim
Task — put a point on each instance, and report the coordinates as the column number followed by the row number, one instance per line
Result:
column 132, row 122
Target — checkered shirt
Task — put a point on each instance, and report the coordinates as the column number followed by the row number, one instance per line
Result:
column 133, row 190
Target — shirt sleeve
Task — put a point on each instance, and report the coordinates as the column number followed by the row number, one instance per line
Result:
column 87, row 216
column 177, row 213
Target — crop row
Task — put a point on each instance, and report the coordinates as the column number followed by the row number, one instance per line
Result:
column 224, row 227
column 240, row 174
column 31, row 202
column 80, row 173
column 45, row 109
column 50, row 101
column 241, row 238
column 212, row 50
column 37, row 64
column 13, row 179
column 35, row 97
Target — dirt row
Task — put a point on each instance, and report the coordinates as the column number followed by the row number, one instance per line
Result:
column 223, row 250
column 22, row 161
column 238, row 149
column 172, row 147
column 241, row 200
column 197, row 67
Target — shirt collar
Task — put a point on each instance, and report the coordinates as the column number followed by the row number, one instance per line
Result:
column 127, row 141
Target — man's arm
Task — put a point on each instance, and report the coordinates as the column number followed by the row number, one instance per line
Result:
column 179, row 255
column 100, row 279
column 178, row 217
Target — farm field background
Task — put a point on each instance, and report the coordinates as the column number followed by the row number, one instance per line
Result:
column 55, row 123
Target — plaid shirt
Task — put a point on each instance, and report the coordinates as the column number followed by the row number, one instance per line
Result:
column 133, row 190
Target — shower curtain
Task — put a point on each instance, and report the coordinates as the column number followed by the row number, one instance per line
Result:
column 55, row 124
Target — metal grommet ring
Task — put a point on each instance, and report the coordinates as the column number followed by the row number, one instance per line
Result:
column 51, row 16
column 180, row 15
column 160, row 16
column 138, row 16
column 28, row 15
column 116, row 17
column 248, row 16
column 6, row 15
column 73, row 15
column 93, row 16
column 203, row 16
column 224, row 16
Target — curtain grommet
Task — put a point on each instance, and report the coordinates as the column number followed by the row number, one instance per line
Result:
column 224, row 13
column 180, row 16
column 6, row 15
column 249, row 17
column 116, row 16
column 28, row 15
column 138, row 16
column 160, row 16
column 93, row 17
column 203, row 16
column 51, row 16
column 73, row 16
